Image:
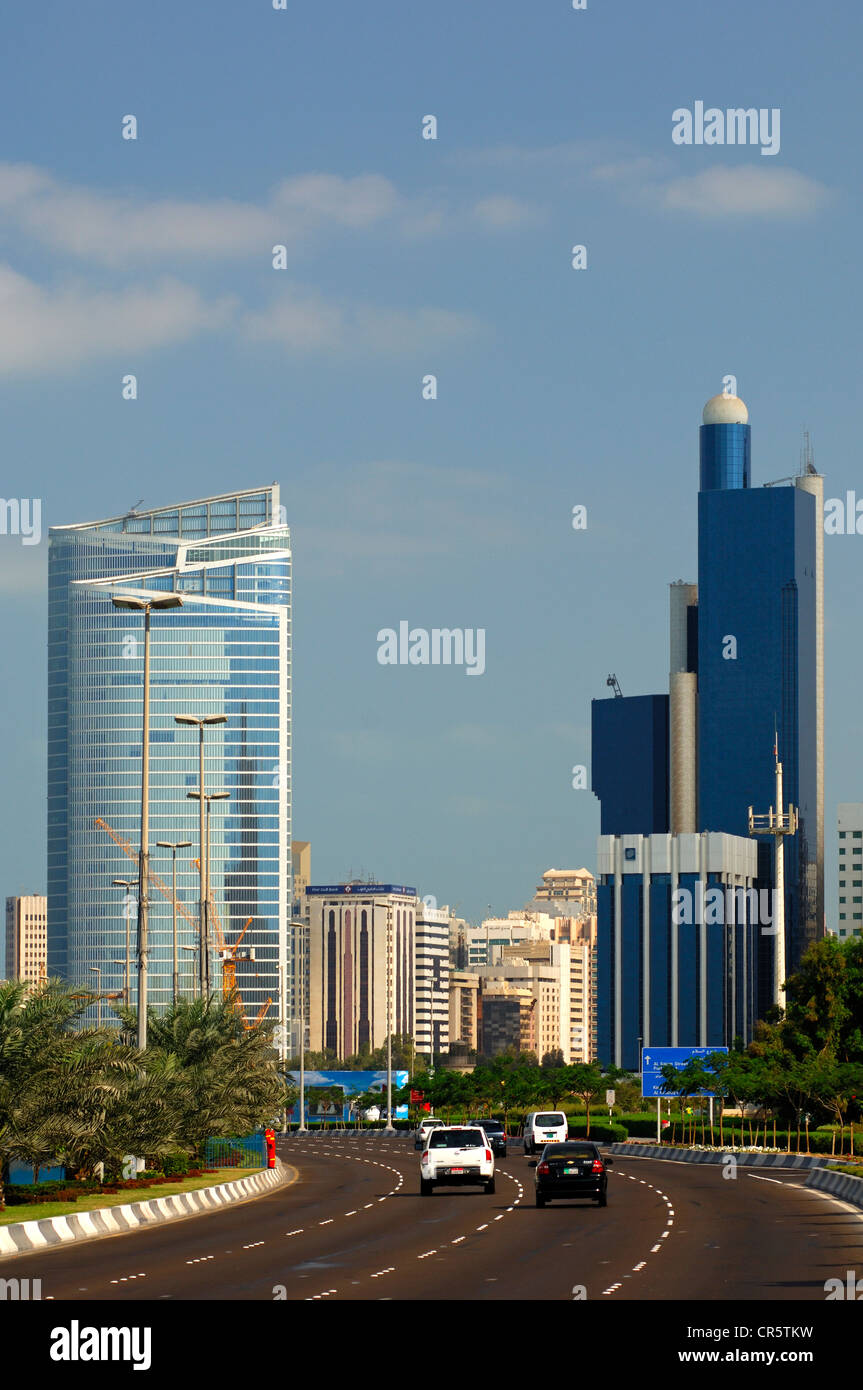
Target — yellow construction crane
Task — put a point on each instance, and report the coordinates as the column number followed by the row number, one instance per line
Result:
column 227, row 954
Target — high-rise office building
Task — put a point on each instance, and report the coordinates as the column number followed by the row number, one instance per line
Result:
column 226, row 652
column 760, row 625
column 849, row 829
column 361, row 964
column 27, row 938
column 746, row 674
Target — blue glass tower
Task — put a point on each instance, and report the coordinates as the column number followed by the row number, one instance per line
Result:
column 746, row 667
column 758, row 601
column 226, row 651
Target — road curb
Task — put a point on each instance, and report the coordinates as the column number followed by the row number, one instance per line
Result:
column 843, row 1185
column 23, row 1237
column 748, row 1160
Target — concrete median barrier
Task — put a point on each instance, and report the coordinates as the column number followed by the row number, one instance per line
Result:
column 22, row 1237
column 746, row 1159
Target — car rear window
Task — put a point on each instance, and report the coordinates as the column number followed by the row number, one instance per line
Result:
column 456, row 1139
column 568, row 1150
column 488, row 1125
column 546, row 1121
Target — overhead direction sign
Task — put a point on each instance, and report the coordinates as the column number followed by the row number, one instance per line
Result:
column 653, row 1059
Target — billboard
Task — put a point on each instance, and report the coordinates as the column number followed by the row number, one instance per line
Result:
column 329, row 1093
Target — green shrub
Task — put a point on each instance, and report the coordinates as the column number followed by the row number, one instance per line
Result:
column 599, row 1129
column 174, row 1165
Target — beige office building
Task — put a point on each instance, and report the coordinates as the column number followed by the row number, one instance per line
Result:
column 464, row 1009
column 542, row 968
column 353, row 928
column 27, row 938
column 571, row 892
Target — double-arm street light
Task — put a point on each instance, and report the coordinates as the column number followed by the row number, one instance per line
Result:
column 145, row 606
column 173, row 846
column 204, row 962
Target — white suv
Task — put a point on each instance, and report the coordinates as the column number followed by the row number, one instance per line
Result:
column 424, row 1129
column 455, row 1155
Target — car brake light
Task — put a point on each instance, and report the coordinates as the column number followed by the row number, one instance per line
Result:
column 488, row 1154
column 543, row 1168
column 598, row 1166
column 425, row 1157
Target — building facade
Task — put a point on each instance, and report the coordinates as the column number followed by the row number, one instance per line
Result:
column 680, row 921
column 579, row 933
column 225, row 652
column 849, row 858
column 746, row 686
column 431, row 981
column 361, row 965
column 570, row 892
column 463, row 1010
column 485, row 943
column 27, row 938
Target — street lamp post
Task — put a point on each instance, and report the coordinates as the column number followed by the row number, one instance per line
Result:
column 207, row 797
column 129, row 885
column 302, row 957
column 388, row 1128
column 145, row 606
column 95, row 970
column 173, row 846
column 203, row 931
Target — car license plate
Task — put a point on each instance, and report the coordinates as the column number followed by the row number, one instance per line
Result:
column 568, row 1172
column 548, row 1136
column 456, row 1170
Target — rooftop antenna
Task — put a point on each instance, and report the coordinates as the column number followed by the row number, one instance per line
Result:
column 807, row 455
column 615, row 685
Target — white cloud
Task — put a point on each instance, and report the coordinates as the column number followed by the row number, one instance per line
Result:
column 41, row 329
column 501, row 211
column 303, row 321
column 129, row 229
column 746, row 191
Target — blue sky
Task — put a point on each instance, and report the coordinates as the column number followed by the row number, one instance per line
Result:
column 405, row 257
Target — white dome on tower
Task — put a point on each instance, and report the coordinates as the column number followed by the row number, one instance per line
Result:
column 725, row 410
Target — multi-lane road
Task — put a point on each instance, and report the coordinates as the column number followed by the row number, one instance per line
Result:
column 352, row 1226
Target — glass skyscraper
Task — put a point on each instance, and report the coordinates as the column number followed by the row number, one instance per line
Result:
column 746, row 668
column 226, row 651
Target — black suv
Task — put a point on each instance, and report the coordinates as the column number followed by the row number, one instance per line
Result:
column 494, row 1133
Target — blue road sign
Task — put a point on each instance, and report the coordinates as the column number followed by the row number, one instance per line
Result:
column 654, row 1058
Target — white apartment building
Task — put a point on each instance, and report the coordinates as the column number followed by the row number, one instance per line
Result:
column 849, row 825
column 431, row 980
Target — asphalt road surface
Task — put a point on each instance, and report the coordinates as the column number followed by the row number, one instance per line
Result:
column 353, row 1226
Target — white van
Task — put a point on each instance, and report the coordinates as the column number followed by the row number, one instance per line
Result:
column 543, row 1127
